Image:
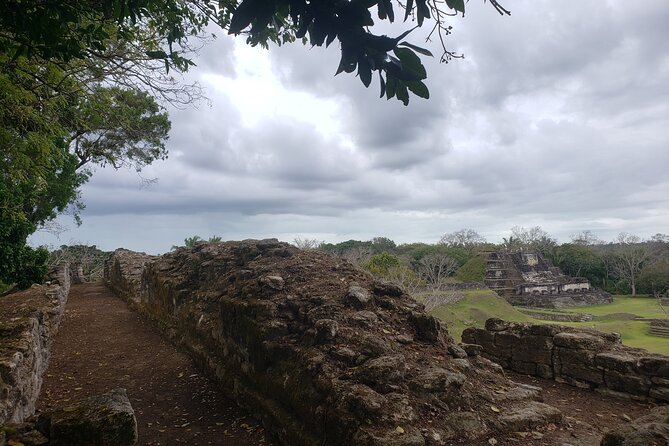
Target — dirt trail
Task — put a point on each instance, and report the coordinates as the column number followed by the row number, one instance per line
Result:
column 102, row 345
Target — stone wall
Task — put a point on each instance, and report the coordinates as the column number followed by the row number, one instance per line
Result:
column 562, row 300
column 29, row 320
column 582, row 358
column 319, row 351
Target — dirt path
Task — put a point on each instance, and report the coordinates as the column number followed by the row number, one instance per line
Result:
column 102, row 345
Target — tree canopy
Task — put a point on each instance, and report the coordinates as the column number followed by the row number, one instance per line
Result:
column 81, row 84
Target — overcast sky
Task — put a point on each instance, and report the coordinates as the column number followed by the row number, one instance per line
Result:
column 558, row 116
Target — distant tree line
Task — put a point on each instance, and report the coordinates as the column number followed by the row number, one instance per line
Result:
column 627, row 265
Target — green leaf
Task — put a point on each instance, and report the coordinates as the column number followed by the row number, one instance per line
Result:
column 157, row 54
column 383, row 85
column 412, row 68
column 364, row 70
column 417, row 49
column 458, row 5
column 419, row 89
column 391, row 86
column 422, row 11
column 402, row 93
column 409, row 7
column 243, row 16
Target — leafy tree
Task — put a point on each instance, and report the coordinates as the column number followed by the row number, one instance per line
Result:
column 654, row 279
column 381, row 244
column 79, row 29
column 215, row 239
column 380, row 264
column 580, row 260
column 118, row 127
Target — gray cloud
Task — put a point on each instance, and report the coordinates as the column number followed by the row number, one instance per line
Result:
column 557, row 117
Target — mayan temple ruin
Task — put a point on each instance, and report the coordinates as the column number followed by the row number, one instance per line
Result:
column 528, row 279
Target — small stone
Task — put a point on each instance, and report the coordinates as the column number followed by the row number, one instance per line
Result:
column 383, row 288
column 492, row 441
column 358, row 297
column 326, row 330
column 456, row 352
column 404, row 339
column 427, row 327
column 273, row 282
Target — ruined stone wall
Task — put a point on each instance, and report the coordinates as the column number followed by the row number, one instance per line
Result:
column 582, row 358
column 319, row 351
column 29, row 320
column 123, row 274
column 562, row 300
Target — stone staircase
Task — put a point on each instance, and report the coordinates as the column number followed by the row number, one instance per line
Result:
column 659, row 328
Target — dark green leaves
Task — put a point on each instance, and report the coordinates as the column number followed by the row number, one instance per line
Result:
column 458, row 5
column 411, row 66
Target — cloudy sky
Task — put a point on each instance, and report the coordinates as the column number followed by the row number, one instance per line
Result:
column 558, row 116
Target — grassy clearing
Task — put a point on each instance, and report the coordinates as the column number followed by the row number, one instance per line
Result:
column 638, row 306
column 474, row 309
column 479, row 305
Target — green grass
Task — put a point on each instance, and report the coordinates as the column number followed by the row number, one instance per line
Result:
column 638, row 306
column 473, row 270
column 474, row 309
column 479, row 305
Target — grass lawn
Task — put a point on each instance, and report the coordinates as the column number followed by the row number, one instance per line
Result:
column 638, row 306
column 474, row 309
column 479, row 305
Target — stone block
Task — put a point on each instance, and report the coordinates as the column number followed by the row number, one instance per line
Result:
column 507, row 341
column 104, row 420
column 545, row 371
column 495, row 324
column 577, row 364
column 620, row 362
column 580, row 341
column 537, row 349
column 630, row 383
column 655, row 366
column 529, row 416
column 528, row 368
column 544, row 330
column 660, row 393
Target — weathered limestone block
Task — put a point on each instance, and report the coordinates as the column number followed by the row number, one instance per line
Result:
column 327, row 354
column 655, row 366
column 536, row 349
column 581, row 341
column 29, row 320
column 618, row 361
column 102, row 420
column 531, row 415
column 649, row 430
column 627, row 382
column 577, row 364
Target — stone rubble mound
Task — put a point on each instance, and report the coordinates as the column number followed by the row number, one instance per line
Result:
column 321, row 352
